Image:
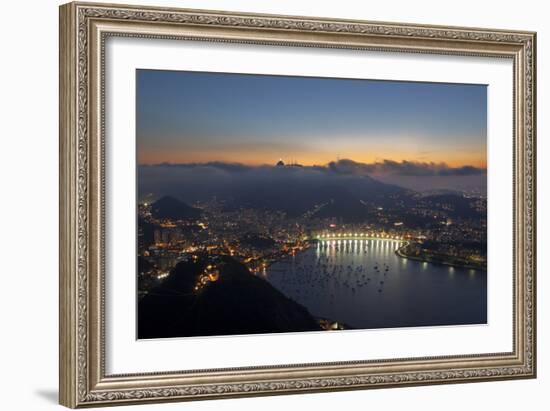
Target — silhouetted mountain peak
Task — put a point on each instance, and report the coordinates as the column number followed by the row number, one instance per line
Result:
column 171, row 207
column 237, row 303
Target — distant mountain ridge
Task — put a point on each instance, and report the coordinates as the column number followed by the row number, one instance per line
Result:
column 296, row 196
column 317, row 192
column 259, row 186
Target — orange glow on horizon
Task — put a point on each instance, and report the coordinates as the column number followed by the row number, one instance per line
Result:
column 451, row 159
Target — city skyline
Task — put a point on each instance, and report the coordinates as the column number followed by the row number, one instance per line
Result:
column 195, row 117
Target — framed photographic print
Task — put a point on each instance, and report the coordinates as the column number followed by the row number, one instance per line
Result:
column 259, row 204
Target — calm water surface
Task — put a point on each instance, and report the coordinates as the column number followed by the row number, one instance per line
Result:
column 364, row 284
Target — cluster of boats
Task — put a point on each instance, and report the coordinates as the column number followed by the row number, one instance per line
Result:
column 328, row 277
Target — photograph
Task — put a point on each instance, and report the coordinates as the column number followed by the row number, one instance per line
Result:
column 284, row 204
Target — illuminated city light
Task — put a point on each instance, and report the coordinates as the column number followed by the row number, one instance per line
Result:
column 223, row 237
column 161, row 276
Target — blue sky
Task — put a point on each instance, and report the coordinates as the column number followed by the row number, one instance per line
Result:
column 188, row 117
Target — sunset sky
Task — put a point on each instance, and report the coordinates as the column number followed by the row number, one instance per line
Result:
column 192, row 117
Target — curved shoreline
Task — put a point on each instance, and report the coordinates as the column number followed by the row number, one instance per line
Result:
column 400, row 254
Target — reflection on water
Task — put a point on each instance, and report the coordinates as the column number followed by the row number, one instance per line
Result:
column 364, row 284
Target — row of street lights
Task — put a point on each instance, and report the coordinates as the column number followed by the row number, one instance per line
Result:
column 359, row 235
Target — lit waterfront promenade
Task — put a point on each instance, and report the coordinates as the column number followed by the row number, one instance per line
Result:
column 352, row 237
column 357, row 236
column 368, row 236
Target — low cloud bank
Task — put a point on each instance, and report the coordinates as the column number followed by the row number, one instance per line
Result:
column 203, row 180
column 403, row 168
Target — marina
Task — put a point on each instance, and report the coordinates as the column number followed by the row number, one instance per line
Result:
column 364, row 284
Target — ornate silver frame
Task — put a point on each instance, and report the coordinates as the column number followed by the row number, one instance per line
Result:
column 83, row 30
